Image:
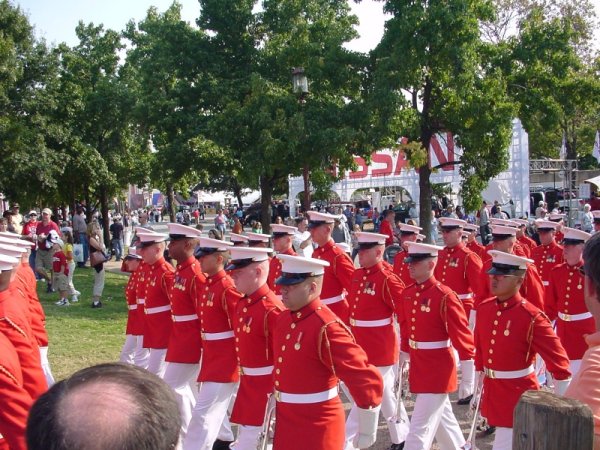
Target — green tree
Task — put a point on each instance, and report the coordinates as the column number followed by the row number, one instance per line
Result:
column 430, row 75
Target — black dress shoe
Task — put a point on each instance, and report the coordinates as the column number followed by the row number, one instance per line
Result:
column 97, row 305
column 221, row 445
column 486, row 431
column 399, row 446
column 465, row 401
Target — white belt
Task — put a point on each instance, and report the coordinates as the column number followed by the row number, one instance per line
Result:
column 217, row 336
column 158, row 309
column 131, row 307
column 331, row 300
column 573, row 317
column 256, row 371
column 465, row 296
column 546, row 283
column 307, row 398
column 141, row 301
column 185, row 318
column 428, row 345
column 370, row 323
column 507, row 374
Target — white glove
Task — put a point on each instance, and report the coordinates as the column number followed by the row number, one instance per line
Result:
column 472, row 315
column 476, row 396
column 560, row 386
column 367, row 427
column 467, row 382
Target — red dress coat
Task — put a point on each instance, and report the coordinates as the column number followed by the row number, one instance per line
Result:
column 135, row 324
column 546, row 257
column 140, row 292
column 476, row 248
column 400, row 268
column 337, row 278
column 185, row 344
column 526, row 241
column 386, row 228
column 375, row 294
column 215, row 304
column 254, row 324
column 312, row 351
column 507, row 337
column 460, row 270
column 433, row 313
column 14, row 398
column 158, row 282
column 15, row 326
column 275, row 271
column 564, row 295
column 28, row 283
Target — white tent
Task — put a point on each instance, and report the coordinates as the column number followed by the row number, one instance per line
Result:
column 595, row 181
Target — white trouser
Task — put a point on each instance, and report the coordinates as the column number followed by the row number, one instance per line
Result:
column 72, row 266
column 502, row 439
column 46, row 366
column 141, row 356
column 574, row 366
column 181, row 378
column 128, row 350
column 208, row 415
column 156, row 361
column 247, row 438
column 431, row 413
column 398, row 428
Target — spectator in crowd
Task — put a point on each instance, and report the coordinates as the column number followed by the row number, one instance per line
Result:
column 215, row 233
column 3, row 225
column 387, row 226
column 340, row 233
column 256, row 226
column 541, row 211
column 349, row 214
column 68, row 250
column 116, row 231
column 586, row 218
column 60, row 271
column 433, row 236
column 80, row 233
column 108, row 406
column 43, row 258
column 221, row 221
column 460, row 213
column 8, row 217
column 359, row 218
column 302, row 241
column 354, row 240
column 584, row 386
column 28, row 234
column 17, row 218
column 278, row 220
column 484, row 223
column 237, row 227
column 96, row 245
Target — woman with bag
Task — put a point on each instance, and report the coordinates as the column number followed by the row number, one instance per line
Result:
column 97, row 260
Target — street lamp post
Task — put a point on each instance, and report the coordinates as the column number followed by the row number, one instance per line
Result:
column 300, row 87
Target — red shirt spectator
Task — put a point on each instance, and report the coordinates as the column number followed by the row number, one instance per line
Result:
column 45, row 228
column 386, row 227
column 29, row 230
column 59, row 263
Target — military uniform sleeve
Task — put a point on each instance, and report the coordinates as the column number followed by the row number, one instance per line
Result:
column 477, row 341
column 533, row 288
column 16, row 402
column 344, row 269
column 457, row 325
column 547, row 344
column 231, row 297
column 393, row 288
column 551, row 295
column 270, row 320
column 474, row 274
column 349, row 363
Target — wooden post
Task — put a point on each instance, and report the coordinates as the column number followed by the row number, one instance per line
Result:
column 543, row 420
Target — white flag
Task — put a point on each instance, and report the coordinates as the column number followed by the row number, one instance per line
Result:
column 596, row 152
column 563, row 147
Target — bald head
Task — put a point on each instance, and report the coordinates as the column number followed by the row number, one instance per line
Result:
column 116, row 406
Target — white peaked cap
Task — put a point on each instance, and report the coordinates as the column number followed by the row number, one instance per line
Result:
column 237, row 237
column 315, row 216
column 258, row 237
column 345, row 247
column 255, row 253
column 499, row 230
column 7, row 262
column 364, row 237
column 575, row 236
column 419, row 248
column 508, row 259
column 177, row 230
column 446, row 222
column 405, row 228
column 277, row 228
column 546, row 225
column 299, row 264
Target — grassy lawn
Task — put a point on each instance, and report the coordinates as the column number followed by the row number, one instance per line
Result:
column 79, row 335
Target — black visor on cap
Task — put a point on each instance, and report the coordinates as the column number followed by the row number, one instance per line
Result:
column 315, row 223
column 501, row 237
column 176, row 237
column 505, row 269
column 406, row 233
column 366, row 245
column 288, row 278
column 239, row 263
column 545, row 230
column 239, row 243
column 556, row 220
column 203, row 251
column 417, row 257
column 277, row 234
column 572, row 241
column 451, row 227
column 596, row 219
column 146, row 244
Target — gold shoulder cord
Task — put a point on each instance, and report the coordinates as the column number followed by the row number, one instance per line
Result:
column 14, row 325
column 323, row 336
column 266, row 331
column 6, row 372
column 530, row 333
column 224, row 306
column 444, row 311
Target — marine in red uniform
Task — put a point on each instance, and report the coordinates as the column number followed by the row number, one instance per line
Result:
column 215, row 305
column 158, row 281
column 548, row 254
column 14, row 398
column 185, row 345
column 283, row 236
column 387, row 226
column 532, row 287
column 254, row 324
column 558, row 219
column 518, row 248
column 374, row 297
column 437, row 323
column 408, row 233
column 459, row 268
column 472, row 243
column 338, row 275
column 313, row 350
column 565, row 301
column 15, row 325
column 258, row 239
column 141, row 358
column 133, row 351
column 238, row 240
column 509, row 333
column 522, row 237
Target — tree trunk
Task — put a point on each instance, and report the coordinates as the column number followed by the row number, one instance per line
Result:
column 171, row 202
column 104, row 211
column 306, row 179
column 88, row 203
column 237, row 192
column 266, row 193
column 425, row 201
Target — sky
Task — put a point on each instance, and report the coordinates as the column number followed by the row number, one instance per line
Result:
column 55, row 20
